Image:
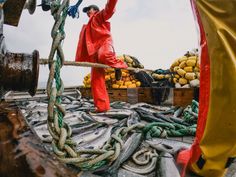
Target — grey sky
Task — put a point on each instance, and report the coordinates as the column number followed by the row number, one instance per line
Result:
column 154, row 31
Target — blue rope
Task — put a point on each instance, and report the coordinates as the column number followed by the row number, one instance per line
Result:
column 73, row 11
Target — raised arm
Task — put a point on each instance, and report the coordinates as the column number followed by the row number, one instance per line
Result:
column 109, row 9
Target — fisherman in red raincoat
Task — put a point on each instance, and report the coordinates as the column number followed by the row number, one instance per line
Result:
column 96, row 45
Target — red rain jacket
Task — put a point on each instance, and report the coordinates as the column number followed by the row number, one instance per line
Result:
column 95, row 33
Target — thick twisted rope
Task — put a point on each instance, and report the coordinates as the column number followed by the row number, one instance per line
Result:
column 149, row 162
column 60, row 131
column 62, row 144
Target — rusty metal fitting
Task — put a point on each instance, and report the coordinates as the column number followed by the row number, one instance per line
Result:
column 19, row 71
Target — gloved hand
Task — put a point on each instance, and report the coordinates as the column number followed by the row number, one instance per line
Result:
column 73, row 11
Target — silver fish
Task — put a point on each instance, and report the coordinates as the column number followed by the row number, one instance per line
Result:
column 133, row 119
column 149, row 106
column 115, row 113
column 89, row 136
column 43, row 133
column 167, row 145
column 72, row 107
column 129, row 148
column 98, row 142
column 166, row 166
column 120, row 105
column 84, row 127
column 103, row 119
column 178, row 112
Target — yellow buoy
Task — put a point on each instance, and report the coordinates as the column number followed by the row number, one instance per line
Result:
column 191, row 62
column 184, row 58
column 182, row 64
column 190, row 76
column 175, row 80
column 183, row 81
column 188, row 69
column 138, row 83
column 115, row 86
column 181, row 72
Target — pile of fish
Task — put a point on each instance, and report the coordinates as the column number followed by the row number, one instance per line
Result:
column 140, row 156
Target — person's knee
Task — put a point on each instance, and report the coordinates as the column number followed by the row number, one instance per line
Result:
column 106, row 53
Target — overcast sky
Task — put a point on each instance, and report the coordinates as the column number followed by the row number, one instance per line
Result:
column 154, row 31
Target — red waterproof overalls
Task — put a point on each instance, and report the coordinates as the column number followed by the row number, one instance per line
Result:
column 214, row 147
column 96, row 45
